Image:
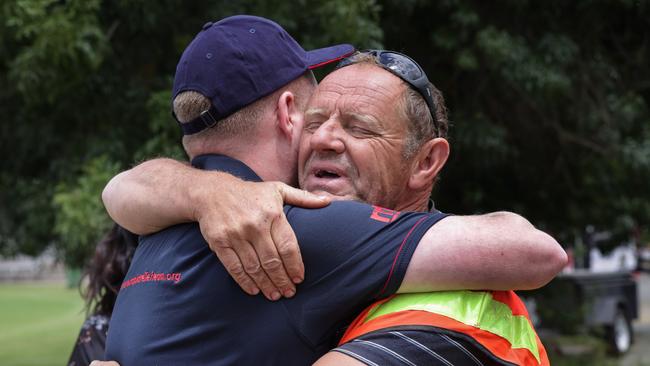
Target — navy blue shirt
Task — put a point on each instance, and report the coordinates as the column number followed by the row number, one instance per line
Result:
column 179, row 306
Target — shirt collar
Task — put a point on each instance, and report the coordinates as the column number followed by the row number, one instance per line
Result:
column 225, row 164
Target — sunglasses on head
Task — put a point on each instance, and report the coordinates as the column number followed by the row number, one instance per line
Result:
column 406, row 69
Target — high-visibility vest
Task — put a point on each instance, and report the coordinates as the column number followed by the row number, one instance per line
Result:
column 497, row 320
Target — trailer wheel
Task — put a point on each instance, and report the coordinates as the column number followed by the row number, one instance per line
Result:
column 620, row 334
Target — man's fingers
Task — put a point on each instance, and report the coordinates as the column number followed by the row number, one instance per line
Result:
column 299, row 197
column 272, row 265
column 254, row 269
column 234, row 266
column 288, row 249
column 254, row 240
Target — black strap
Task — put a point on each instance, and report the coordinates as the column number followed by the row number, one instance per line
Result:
column 207, row 119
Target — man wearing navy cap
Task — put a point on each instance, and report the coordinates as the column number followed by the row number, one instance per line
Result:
column 178, row 304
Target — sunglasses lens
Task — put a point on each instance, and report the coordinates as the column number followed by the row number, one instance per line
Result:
column 401, row 65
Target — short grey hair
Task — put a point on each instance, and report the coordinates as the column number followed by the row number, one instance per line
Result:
column 188, row 105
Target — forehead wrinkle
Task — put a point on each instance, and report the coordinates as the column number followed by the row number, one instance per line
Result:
column 376, row 90
column 384, row 85
column 382, row 81
column 365, row 103
column 354, row 95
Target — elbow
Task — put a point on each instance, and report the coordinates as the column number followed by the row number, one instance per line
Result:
column 546, row 257
column 556, row 257
column 115, row 203
column 108, row 196
column 550, row 260
column 560, row 258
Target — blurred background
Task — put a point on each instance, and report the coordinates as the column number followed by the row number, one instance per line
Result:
column 549, row 103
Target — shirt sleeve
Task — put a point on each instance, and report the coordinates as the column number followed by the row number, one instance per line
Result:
column 354, row 254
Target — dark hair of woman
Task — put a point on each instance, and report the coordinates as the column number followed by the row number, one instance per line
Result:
column 106, row 270
column 104, row 273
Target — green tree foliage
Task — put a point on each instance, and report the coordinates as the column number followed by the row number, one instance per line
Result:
column 549, row 101
column 85, row 90
column 80, row 217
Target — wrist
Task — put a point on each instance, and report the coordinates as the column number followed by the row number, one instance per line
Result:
column 201, row 188
column 195, row 196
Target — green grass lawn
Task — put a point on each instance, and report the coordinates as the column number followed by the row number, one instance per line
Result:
column 38, row 323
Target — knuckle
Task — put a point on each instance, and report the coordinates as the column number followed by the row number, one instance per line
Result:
column 247, row 226
column 272, row 264
column 210, row 234
column 285, row 248
column 219, row 245
column 277, row 214
column 231, row 231
column 212, row 229
column 282, row 282
column 253, row 268
column 215, row 238
column 236, row 269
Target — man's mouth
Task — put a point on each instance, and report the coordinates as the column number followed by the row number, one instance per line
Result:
column 327, row 177
column 326, row 174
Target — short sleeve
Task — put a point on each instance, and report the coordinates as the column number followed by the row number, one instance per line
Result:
column 354, row 254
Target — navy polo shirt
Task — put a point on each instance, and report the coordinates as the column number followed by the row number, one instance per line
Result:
column 179, row 306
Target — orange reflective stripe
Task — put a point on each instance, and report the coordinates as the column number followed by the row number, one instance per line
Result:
column 512, row 300
column 499, row 346
column 475, row 308
column 387, row 314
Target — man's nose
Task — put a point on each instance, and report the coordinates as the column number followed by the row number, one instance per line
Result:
column 328, row 138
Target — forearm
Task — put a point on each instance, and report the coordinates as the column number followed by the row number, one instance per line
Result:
column 242, row 222
column 498, row 251
column 157, row 194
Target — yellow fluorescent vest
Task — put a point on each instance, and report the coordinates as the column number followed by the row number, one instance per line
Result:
column 497, row 320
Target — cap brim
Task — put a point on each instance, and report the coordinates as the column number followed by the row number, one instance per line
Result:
column 327, row 55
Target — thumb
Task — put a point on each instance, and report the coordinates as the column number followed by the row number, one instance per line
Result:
column 299, row 197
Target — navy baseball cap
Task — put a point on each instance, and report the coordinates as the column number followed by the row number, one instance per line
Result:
column 241, row 59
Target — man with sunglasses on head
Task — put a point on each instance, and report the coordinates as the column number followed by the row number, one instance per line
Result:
column 351, row 112
column 358, row 144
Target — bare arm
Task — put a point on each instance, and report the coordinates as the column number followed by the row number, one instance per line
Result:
column 153, row 195
column 243, row 222
column 331, row 358
column 497, row 251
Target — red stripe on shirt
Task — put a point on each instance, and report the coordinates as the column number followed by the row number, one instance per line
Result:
column 399, row 251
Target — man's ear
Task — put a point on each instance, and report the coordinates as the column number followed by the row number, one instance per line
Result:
column 428, row 162
column 286, row 114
